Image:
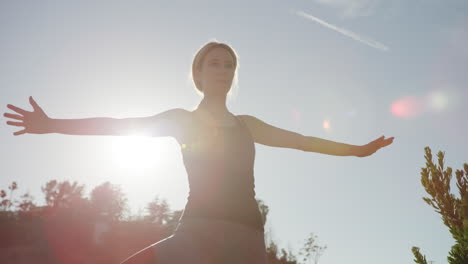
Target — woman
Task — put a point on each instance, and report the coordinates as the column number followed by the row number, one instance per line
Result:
column 221, row 222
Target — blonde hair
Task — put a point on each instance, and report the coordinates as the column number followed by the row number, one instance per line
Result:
column 200, row 56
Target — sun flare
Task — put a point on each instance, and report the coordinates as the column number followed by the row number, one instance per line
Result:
column 138, row 152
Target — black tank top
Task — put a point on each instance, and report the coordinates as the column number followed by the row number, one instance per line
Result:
column 219, row 162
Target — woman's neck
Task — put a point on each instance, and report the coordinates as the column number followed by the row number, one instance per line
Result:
column 215, row 105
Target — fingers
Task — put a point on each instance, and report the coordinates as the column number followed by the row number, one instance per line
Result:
column 20, row 132
column 389, row 142
column 377, row 140
column 382, row 139
column 18, row 110
column 18, row 117
column 33, row 103
column 382, row 142
column 15, row 123
column 386, row 142
column 375, row 145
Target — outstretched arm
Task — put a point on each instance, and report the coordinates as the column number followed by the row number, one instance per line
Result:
column 269, row 135
column 37, row 122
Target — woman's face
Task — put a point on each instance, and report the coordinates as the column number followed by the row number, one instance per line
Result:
column 217, row 72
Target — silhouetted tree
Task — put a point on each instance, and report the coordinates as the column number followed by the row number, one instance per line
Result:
column 75, row 235
column 273, row 253
column 62, row 194
column 287, row 257
column 454, row 211
column 7, row 203
column 264, row 210
column 26, row 203
column 159, row 211
column 274, row 257
column 109, row 201
column 312, row 250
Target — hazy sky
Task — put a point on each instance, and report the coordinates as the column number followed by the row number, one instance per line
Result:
column 348, row 71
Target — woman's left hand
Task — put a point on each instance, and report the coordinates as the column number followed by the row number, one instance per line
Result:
column 372, row 147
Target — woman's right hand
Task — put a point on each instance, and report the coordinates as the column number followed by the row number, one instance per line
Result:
column 36, row 122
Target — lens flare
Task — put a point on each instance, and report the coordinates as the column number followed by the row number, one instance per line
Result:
column 407, row 107
column 136, row 154
column 438, row 101
column 326, row 125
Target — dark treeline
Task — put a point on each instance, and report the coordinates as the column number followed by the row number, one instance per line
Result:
column 72, row 228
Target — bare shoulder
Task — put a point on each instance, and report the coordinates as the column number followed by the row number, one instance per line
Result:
column 252, row 123
column 249, row 120
column 177, row 112
column 255, row 124
column 246, row 118
column 176, row 115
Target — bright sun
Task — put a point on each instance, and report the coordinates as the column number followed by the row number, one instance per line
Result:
column 138, row 152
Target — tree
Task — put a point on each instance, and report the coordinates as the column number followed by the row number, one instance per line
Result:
column 62, row 194
column 419, row 258
column 25, row 204
column 273, row 253
column 6, row 203
column 287, row 257
column 159, row 211
column 454, row 211
column 264, row 210
column 312, row 250
column 109, row 201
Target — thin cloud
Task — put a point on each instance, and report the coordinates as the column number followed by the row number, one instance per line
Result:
column 362, row 39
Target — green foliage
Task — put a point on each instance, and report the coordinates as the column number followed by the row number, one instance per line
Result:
column 419, row 258
column 436, row 180
column 458, row 253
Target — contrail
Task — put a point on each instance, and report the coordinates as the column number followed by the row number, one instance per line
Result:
column 345, row 32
